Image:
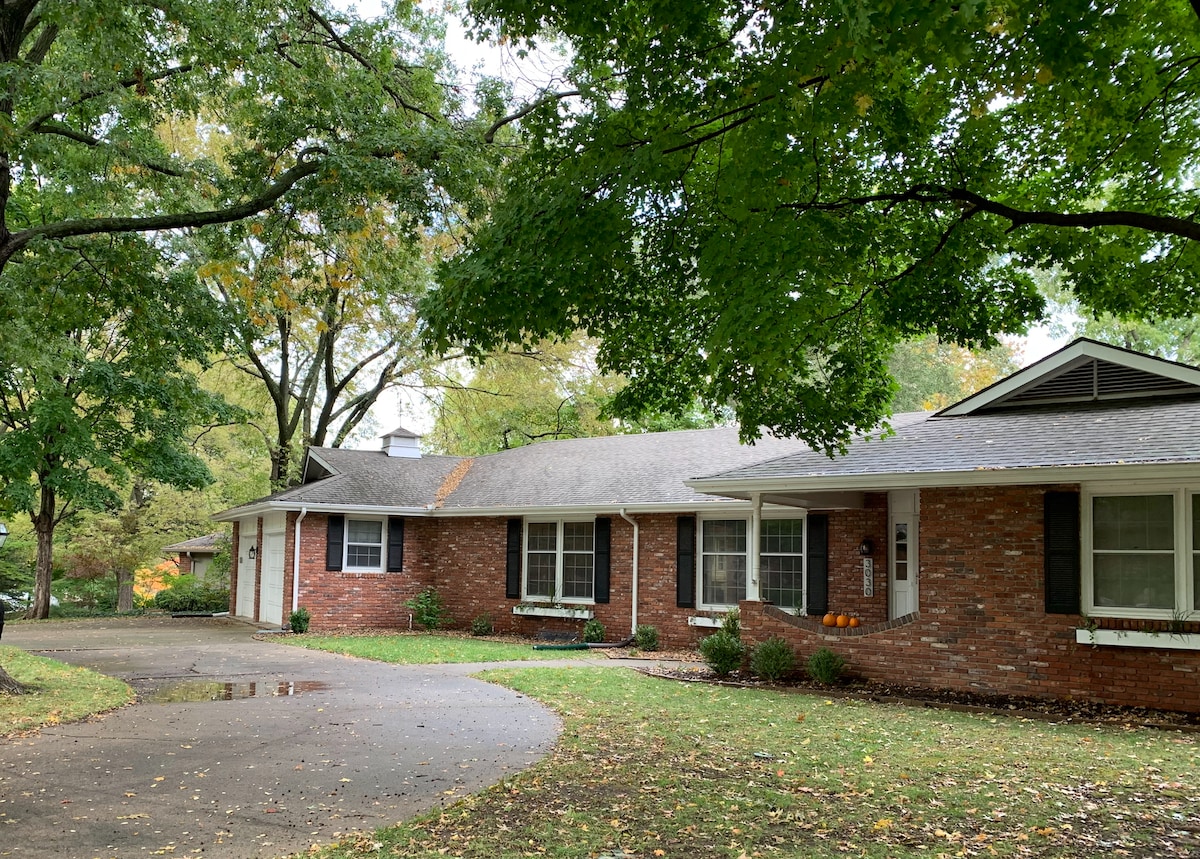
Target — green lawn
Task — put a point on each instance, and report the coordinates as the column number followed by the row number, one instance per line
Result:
column 648, row 767
column 424, row 648
column 57, row 693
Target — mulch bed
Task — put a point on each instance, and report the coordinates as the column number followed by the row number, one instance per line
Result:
column 1059, row 711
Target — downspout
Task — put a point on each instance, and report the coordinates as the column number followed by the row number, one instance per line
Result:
column 636, row 552
column 296, row 560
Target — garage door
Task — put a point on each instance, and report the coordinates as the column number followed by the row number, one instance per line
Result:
column 270, row 600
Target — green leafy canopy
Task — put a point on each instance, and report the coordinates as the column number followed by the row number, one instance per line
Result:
column 757, row 202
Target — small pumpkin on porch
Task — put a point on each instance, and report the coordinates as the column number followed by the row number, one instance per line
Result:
column 829, row 620
column 854, row 622
column 843, row 621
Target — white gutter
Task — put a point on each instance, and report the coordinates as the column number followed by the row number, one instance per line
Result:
column 296, row 560
column 879, row 481
column 636, row 551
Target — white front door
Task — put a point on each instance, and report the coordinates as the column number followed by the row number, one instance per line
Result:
column 270, row 600
column 903, row 569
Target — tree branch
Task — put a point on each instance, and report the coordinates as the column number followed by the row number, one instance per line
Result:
column 489, row 136
column 177, row 221
column 934, row 194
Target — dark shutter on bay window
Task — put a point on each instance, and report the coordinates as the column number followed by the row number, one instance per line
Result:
column 816, row 564
column 334, row 540
column 395, row 544
column 685, row 562
column 512, row 563
column 1062, row 552
column 602, row 547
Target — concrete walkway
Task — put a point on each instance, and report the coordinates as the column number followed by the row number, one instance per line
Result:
column 308, row 747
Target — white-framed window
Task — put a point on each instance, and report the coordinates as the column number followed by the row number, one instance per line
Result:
column 364, row 545
column 723, row 561
column 781, row 563
column 724, row 547
column 1141, row 552
column 560, row 560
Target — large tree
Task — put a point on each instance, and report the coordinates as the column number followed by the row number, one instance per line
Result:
column 756, row 201
column 123, row 124
column 325, row 321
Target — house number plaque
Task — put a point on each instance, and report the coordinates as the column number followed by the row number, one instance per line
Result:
column 868, row 577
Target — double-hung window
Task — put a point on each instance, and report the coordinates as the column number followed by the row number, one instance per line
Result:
column 725, row 562
column 364, row 544
column 781, row 563
column 560, row 561
column 1140, row 553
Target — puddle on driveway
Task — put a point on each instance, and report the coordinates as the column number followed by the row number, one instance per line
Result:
column 213, row 690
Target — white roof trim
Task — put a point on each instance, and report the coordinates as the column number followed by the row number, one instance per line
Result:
column 1034, row 475
column 1064, row 360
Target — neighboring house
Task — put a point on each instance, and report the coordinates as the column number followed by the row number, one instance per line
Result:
column 1038, row 538
column 196, row 555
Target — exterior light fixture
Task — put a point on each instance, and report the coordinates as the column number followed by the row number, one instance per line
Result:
column 253, row 553
column 3, row 533
column 866, row 547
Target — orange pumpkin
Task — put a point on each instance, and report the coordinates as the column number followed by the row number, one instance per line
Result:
column 853, row 622
column 829, row 619
column 842, row 620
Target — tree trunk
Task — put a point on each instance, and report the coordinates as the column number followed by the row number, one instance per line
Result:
column 8, row 686
column 124, row 590
column 43, row 526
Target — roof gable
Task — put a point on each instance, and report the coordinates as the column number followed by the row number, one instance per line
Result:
column 1085, row 371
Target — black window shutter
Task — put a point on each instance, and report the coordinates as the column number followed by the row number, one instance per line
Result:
column 685, row 562
column 395, row 544
column 334, row 538
column 602, row 558
column 816, row 564
column 1062, row 552
column 512, row 564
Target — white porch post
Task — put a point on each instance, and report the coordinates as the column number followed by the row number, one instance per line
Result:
column 755, row 543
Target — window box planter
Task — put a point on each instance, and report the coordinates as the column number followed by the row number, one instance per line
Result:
column 708, row 622
column 568, row 612
column 1135, row 638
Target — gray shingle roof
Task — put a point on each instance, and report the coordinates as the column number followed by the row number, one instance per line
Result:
column 1085, row 435
column 207, row 543
column 609, row 471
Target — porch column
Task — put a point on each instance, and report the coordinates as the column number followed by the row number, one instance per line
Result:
column 755, row 544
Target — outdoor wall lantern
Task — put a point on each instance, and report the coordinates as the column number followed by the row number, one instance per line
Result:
column 3, row 533
column 866, row 547
column 253, row 553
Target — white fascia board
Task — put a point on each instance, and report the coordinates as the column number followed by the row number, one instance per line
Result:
column 1066, row 359
column 700, row 505
column 252, row 510
column 931, row 479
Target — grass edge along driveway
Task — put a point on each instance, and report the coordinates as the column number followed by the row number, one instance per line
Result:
column 648, row 767
column 57, row 693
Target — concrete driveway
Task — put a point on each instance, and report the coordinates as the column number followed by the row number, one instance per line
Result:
column 299, row 748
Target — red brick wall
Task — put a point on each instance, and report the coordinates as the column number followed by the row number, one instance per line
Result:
column 982, row 624
column 347, row 600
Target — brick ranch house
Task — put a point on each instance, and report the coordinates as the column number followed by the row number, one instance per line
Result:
column 1041, row 537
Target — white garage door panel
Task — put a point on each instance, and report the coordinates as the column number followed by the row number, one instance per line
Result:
column 271, row 598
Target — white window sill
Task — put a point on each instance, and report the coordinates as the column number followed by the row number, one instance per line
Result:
column 1135, row 638
column 711, row 622
column 569, row 612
